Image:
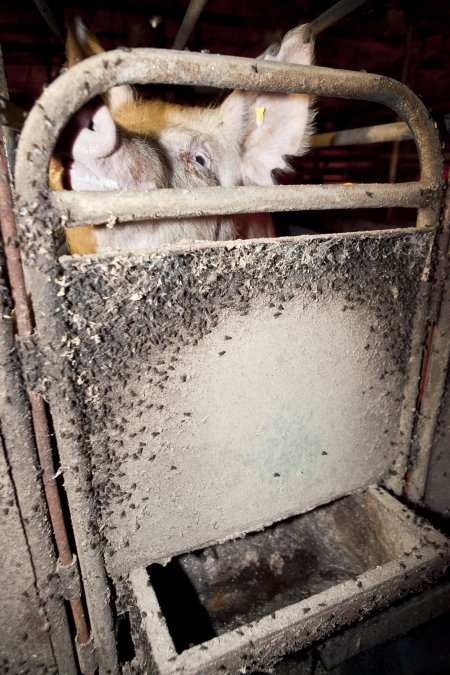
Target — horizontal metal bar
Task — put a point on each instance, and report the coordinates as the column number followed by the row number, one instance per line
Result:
column 128, row 205
column 333, row 15
column 379, row 133
column 99, row 73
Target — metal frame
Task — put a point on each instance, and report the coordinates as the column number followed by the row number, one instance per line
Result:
column 20, row 444
column 37, row 413
column 42, row 212
column 99, row 73
column 36, row 402
column 435, row 367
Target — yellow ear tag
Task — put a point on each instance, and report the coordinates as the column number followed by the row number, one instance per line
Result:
column 260, row 112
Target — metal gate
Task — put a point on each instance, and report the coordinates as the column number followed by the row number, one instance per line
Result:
column 202, row 392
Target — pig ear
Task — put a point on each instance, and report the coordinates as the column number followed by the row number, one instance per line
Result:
column 80, row 44
column 272, row 125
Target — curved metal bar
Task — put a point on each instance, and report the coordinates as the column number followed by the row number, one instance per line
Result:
column 142, row 66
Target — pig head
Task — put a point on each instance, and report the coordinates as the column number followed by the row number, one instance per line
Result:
column 126, row 142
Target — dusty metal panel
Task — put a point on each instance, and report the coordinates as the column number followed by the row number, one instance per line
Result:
column 223, row 387
column 415, row 556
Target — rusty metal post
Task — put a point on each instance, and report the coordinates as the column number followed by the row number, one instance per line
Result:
column 11, row 115
column 37, row 405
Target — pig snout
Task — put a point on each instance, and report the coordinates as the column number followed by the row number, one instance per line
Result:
column 90, row 147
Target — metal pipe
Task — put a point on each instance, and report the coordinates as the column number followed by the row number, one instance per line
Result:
column 55, row 24
column 433, row 380
column 78, row 208
column 334, row 14
column 396, row 146
column 8, row 134
column 379, row 133
column 191, row 17
column 38, row 414
column 11, row 115
column 99, row 73
column 18, row 432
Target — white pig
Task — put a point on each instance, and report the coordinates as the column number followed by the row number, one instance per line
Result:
column 132, row 143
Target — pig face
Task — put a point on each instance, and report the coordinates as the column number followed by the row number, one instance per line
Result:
column 130, row 143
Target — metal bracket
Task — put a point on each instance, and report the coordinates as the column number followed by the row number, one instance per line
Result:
column 69, row 577
column 87, row 656
column 71, row 589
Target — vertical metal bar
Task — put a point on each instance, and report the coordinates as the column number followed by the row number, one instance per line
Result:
column 38, row 412
column 333, row 14
column 51, row 19
column 396, row 145
column 10, row 243
column 435, row 365
column 190, row 19
column 18, row 118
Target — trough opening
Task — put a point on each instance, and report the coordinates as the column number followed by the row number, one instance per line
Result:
column 220, row 588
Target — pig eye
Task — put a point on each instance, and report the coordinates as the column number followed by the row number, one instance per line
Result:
column 199, row 155
column 200, row 160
